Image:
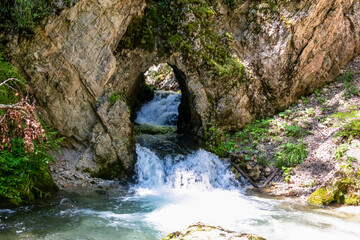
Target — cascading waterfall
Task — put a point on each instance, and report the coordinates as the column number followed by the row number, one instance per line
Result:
column 176, row 185
column 162, row 110
column 200, row 169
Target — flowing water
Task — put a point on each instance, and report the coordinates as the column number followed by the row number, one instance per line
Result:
column 177, row 184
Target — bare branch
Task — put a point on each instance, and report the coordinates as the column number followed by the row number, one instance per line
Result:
column 10, row 79
column 11, row 106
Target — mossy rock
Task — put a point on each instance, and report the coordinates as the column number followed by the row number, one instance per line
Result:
column 321, row 197
column 153, row 129
column 45, row 184
column 201, row 231
column 343, row 189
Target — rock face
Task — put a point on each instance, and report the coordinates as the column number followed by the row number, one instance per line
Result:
column 200, row 231
column 80, row 60
column 69, row 64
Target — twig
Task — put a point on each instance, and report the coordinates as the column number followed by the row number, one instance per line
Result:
column 11, row 106
column 2, row 119
column 10, row 79
column 271, row 177
column 244, row 175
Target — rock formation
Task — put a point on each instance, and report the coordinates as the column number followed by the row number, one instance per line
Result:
column 234, row 63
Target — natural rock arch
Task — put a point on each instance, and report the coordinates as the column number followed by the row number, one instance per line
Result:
column 233, row 65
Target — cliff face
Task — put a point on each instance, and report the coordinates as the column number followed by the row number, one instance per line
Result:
column 69, row 64
column 83, row 57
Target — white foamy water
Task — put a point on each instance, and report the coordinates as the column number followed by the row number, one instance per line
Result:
column 200, row 187
column 162, row 110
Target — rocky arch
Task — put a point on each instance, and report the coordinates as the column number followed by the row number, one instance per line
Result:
column 78, row 61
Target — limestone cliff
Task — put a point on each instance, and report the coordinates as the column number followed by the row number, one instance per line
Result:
column 234, row 63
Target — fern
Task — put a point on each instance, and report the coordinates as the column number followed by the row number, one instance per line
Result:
column 291, row 154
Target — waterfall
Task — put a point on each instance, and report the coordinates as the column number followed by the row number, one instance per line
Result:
column 199, row 169
column 162, row 110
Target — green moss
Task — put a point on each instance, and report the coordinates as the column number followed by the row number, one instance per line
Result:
column 321, row 197
column 342, row 190
column 352, row 199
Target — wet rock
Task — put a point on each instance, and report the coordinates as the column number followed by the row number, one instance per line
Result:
column 200, row 231
column 267, row 171
column 255, row 173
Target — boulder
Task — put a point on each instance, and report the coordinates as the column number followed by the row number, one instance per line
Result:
column 200, row 231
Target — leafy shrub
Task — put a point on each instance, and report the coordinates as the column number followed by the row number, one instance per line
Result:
column 286, row 173
column 257, row 130
column 291, row 154
column 114, row 97
column 24, row 175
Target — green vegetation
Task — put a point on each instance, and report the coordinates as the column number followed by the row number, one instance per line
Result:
column 350, row 88
column 349, row 123
column 219, row 142
column 291, row 154
column 23, row 16
column 24, row 175
column 286, row 173
column 342, row 190
column 25, row 144
column 114, row 97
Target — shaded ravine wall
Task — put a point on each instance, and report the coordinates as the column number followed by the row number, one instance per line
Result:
column 75, row 64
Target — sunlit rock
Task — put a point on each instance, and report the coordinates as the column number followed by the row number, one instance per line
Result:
column 200, row 231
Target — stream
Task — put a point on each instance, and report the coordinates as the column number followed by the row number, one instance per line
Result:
column 176, row 184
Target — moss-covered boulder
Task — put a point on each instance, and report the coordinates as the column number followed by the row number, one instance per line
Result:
column 201, row 231
column 343, row 188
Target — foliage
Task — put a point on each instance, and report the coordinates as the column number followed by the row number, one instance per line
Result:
column 349, row 122
column 114, row 97
column 24, row 16
column 291, row 154
column 219, row 142
column 287, row 173
column 20, row 170
column 340, row 151
column 257, row 130
column 8, row 91
column 293, row 130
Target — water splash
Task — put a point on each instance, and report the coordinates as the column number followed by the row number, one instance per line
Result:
column 200, row 170
column 162, row 110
